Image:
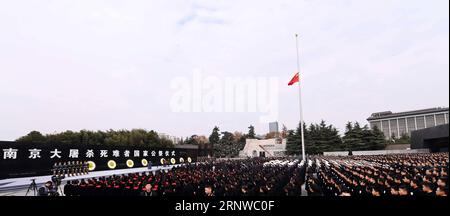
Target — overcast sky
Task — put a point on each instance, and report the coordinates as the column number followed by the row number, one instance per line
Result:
column 96, row 65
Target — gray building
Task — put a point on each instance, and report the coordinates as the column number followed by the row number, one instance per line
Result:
column 397, row 124
column 273, row 127
column 433, row 138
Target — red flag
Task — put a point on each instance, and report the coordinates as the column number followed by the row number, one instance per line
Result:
column 294, row 79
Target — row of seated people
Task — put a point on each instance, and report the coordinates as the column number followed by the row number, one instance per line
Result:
column 379, row 175
column 248, row 177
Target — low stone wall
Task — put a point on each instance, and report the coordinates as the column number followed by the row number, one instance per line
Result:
column 398, row 147
column 377, row 152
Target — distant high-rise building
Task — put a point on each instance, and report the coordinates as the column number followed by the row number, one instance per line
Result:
column 397, row 124
column 273, row 127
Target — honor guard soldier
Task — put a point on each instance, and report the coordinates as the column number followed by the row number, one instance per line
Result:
column 78, row 168
column 73, row 168
column 59, row 170
column 65, row 169
column 55, row 168
column 85, row 168
column 69, row 168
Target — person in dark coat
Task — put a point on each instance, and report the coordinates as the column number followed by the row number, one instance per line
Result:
column 427, row 189
column 68, row 189
column 148, row 191
column 48, row 190
column 414, row 187
column 209, row 190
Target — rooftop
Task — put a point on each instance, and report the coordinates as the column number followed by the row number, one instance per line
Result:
column 389, row 114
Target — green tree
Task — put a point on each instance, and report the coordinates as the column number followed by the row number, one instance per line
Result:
column 378, row 141
column 229, row 144
column 33, row 137
column 321, row 138
column 350, row 139
column 284, row 131
column 359, row 138
column 214, row 137
column 220, row 148
column 404, row 139
column 293, row 143
column 192, row 140
column 227, row 137
column 312, row 144
column 135, row 137
column 251, row 132
column 165, row 143
column 329, row 138
column 359, row 143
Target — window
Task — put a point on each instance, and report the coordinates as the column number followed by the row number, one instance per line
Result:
column 394, row 131
column 430, row 120
column 402, row 126
column 386, row 128
column 440, row 119
column 420, row 122
column 411, row 124
column 375, row 124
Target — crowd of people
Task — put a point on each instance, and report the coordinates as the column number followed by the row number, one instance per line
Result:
column 379, row 175
column 375, row 175
column 250, row 177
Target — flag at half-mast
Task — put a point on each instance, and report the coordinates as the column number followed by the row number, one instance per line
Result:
column 294, row 79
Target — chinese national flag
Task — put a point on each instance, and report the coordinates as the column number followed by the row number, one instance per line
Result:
column 294, row 79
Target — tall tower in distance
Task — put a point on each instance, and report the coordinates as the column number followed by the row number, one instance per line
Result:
column 273, row 127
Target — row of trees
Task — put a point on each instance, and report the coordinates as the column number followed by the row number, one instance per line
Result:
column 321, row 137
column 221, row 144
column 318, row 138
column 135, row 137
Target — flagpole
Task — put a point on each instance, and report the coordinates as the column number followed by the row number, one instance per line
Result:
column 300, row 101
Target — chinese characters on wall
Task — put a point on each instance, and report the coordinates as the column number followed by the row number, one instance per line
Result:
column 35, row 153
